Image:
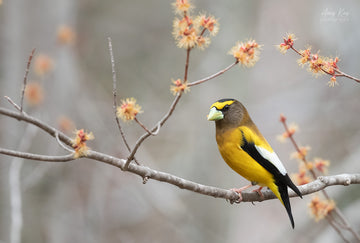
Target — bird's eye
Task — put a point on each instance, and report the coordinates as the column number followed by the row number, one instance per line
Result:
column 225, row 108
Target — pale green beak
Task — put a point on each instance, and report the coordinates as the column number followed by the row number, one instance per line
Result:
column 215, row 115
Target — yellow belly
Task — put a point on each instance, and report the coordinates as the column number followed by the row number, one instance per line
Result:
column 241, row 162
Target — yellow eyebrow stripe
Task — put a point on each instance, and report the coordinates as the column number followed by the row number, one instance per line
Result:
column 220, row 105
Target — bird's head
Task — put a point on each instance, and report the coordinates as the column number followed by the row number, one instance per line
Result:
column 228, row 112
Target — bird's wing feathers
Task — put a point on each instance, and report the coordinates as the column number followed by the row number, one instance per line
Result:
column 251, row 144
column 271, row 157
column 256, row 148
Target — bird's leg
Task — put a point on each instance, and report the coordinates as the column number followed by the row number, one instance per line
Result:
column 239, row 190
column 259, row 192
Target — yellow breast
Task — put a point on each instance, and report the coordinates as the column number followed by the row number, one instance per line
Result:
column 229, row 144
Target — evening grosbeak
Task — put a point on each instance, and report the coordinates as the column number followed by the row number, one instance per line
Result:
column 248, row 153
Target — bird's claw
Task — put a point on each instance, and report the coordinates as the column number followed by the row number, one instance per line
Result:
column 237, row 200
column 260, row 193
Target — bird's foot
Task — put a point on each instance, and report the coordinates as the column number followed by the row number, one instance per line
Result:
column 239, row 190
column 260, row 193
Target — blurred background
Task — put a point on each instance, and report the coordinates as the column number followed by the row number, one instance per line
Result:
column 87, row 201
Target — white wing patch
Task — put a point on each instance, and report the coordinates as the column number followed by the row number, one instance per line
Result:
column 273, row 158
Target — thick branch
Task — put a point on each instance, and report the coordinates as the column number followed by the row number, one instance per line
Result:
column 148, row 173
column 145, row 172
column 317, row 185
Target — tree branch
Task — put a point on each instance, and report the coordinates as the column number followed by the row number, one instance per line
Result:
column 38, row 157
column 25, row 79
column 153, row 130
column 15, row 186
column 32, row 120
column 338, row 72
column 214, row 75
column 114, row 95
column 314, row 186
column 146, row 172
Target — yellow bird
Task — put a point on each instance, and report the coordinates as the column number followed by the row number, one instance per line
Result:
column 248, row 153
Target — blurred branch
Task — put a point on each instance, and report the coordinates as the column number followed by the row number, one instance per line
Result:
column 146, row 172
column 339, row 222
column 187, row 64
column 25, row 79
column 15, row 200
column 15, row 186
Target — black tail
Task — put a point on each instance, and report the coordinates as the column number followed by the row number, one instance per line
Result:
column 282, row 187
column 292, row 186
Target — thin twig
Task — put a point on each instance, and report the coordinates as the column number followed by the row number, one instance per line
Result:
column 342, row 74
column 346, row 223
column 114, row 93
column 170, row 111
column 114, row 97
column 337, row 70
column 13, row 103
column 332, row 221
column 156, row 132
column 145, row 128
column 213, row 76
column 187, row 64
column 203, row 31
column 295, row 50
column 61, row 143
column 297, row 148
column 25, row 79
